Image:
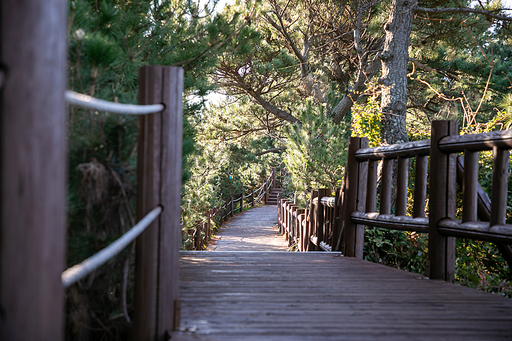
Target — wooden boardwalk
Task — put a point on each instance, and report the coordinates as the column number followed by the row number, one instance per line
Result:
column 254, row 295
column 253, row 230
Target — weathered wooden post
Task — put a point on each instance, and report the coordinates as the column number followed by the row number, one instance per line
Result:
column 209, row 224
column 273, row 178
column 159, row 183
column 231, row 204
column 320, row 218
column 354, row 198
column 33, row 168
column 338, row 206
column 265, row 192
column 283, row 203
column 293, row 222
column 443, row 177
column 252, row 197
column 298, row 226
column 311, row 222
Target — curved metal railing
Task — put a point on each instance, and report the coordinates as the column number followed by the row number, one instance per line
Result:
column 79, row 271
column 88, row 102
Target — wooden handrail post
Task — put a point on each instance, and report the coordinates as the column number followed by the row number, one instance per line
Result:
column 33, row 165
column 320, row 218
column 298, row 227
column 443, row 177
column 273, row 177
column 311, row 223
column 159, row 183
column 285, row 218
column 293, row 224
column 265, row 192
column 252, row 197
column 336, row 227
column 279, row 215
column 354, row 198
column 209, row 222
column 232, row 205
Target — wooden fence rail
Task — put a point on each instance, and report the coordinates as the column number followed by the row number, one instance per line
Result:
column 158, row 213
column 337, row 222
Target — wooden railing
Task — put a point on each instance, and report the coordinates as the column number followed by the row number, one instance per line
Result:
column 156, row 297
column 202, row 232
column 337, row 223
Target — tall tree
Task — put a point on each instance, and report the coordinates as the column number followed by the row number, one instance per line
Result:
column 337, row 48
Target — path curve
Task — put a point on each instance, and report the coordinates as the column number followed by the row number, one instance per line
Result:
column 253, row 230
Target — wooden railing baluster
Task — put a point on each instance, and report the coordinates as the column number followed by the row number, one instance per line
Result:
column 441, row 253
column 371, row 197
column 469, row 186
column 385, row 189
column 420, row 185
column 501, row 159
column 402, row 182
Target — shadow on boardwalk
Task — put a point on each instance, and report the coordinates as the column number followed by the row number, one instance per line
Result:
column 253, row 230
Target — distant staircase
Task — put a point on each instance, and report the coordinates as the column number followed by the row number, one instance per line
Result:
column 273, row 196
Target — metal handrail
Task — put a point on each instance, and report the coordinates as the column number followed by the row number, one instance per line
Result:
column 88, row 102
column 79, row 271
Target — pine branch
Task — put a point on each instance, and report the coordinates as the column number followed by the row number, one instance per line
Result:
column 273, row 150
column 465, row 10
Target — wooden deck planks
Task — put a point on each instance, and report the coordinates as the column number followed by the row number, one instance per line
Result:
column 323, row 296
column 252, row 230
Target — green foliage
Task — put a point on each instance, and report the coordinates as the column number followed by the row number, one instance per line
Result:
column 316, row 152
column 366, row 122
column 224, row 164
column 480, row 265
column 108, row 41
column 399, row 249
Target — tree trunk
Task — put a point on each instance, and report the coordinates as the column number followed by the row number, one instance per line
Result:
column 394, row 60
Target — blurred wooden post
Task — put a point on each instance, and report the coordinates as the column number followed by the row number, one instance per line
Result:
column 159, row 183
column 33, row 166
column 311, row 223
column 273, row 178
column 265, row 192
column 252, row 197
column 354, row 198
column 320, row 219
column 231, row 206
column 441, row 249
column 209, row 223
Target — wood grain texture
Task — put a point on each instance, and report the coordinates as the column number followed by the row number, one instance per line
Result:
column 441, row 252
column 354, row 197
column 499, row 186
column 420, row 185
column 476, row 142
column 323, row 296
column 33, row 168
column 148, row 197
column 386, row 185
column 470, row 186
column 159, row 183
column 170, row 199
column 402, row 183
